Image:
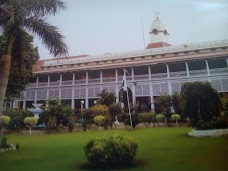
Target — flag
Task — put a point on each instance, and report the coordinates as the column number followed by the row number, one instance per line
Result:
column 124, row 82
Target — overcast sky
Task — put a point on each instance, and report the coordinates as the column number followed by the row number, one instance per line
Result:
column 96, row 27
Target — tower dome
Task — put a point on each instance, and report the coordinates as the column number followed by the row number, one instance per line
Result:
column 159, row 36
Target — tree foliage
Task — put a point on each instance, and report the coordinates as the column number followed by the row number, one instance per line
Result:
column 147, row 118
column 176, row 118
column 17, row 17
column 178, row 103
column 21, row 69
column 106, row 98
column 30, row 122
column 164, row 104
column 99, row 120
column 17, row 117
column 201, row 101
column 55, row 111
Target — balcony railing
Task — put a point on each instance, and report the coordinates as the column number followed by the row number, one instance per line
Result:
column 219, row 71
column 30, row 85
column 120, row 78
column 158, row 76
column 94, row 80
column 82, row 81
column 178, row 74
column 110, row 79
column 141, row 77
column 197, row 73
column 68, row 82
column 42, row 84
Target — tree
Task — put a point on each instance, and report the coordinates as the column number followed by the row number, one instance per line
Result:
column 99, row 120
column 160, row 118
column 19, row 74
column 176, row 117
column 201, row 101
column 114, row 110
column 30, row 122
column 164, row 102
column 106, row 98
column 147, row 118
column 4, row 122
column 17, row 117
column 71, row 122
column 55, row 112
column 102, row 110
column 178, row 103
column 18, row 16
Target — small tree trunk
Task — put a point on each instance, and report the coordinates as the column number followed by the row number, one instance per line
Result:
column 2, row 130
column 30, row 130
column 177, row 123
column 5, row 63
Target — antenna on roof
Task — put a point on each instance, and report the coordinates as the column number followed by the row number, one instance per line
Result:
column 143, row 33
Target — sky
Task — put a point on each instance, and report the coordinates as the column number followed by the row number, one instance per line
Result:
column 96, row 27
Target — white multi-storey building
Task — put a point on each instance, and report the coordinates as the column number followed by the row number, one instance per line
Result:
column 160, row 68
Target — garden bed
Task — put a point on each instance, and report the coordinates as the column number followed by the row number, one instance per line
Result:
column 208, row 133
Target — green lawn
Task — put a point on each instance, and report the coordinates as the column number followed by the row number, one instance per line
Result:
column 160, row 149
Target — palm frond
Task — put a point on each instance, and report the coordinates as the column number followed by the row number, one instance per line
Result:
column 12, row 15
column 43, row 7
column 49, row 34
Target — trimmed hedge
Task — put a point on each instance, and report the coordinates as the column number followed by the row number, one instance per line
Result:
column 113, row 152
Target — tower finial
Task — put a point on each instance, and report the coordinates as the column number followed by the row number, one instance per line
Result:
column 157, row 13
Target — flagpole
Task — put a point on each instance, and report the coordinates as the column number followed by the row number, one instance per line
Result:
column 129, row 109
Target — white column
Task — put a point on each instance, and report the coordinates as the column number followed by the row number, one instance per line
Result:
column 48, row 90
column 60, row 84
column 208, row 69
column 101, row 80
column 86, row 99
column 226, row 61
column 117, row 89
column 24, row 101
column 169, row 84
column 167, row 68
column 37, row 84
column 151, row 91
column 187, row 69
column 101, row 76
column 72, row 97
column 133, row 84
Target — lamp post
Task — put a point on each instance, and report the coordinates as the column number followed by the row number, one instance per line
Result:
column 82, row 103
column 95, row 102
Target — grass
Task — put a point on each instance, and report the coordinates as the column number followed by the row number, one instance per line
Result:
column 160, row 149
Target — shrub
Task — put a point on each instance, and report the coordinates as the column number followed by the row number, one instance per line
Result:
column 99, row 120
column 147, row 118
column 134, row 118
column 4, row 120
column 71, row 122
column 4, row 143
column 17, row 117
column 160, row 118
column 176, row 117
column 30, row 121
column 112, row 152
column 17, row 146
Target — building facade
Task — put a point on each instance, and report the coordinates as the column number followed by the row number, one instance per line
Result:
column 158, row 69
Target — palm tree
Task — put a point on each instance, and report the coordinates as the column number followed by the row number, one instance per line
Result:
column 18, row 16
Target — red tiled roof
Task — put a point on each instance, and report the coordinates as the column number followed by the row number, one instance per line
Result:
column 37, row 66
column 157, row 45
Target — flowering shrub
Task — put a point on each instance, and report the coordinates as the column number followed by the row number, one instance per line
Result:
column 116, row 151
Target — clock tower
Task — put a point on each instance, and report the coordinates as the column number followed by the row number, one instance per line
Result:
column 159, row 36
